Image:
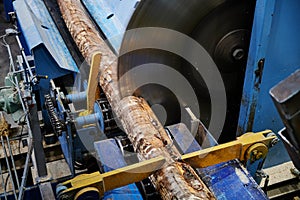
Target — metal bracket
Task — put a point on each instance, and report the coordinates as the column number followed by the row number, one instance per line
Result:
column 93, row 90
column 237, row 149
column 110, row 180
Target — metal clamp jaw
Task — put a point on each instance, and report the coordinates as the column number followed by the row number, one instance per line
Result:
column 248, row 147
column 251, row 146
column 100, row 183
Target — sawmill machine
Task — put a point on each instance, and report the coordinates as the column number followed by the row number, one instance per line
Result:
column 202, row 69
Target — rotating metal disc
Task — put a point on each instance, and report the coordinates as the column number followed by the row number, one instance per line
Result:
column 222, row 27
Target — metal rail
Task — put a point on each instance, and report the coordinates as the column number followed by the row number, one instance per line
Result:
column 9, row 168
column 27, row 74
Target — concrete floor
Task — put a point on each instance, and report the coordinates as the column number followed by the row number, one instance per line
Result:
column 4, row 61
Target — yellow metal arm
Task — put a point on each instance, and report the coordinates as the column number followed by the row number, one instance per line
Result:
column 251, row 146
column 111, row 180
column 248, row 146
column 93, row 90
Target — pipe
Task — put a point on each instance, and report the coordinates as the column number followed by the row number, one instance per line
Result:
column 77, row 97
column 8, row 167
column 12, row 160
column 25, row 59
column 25, row 172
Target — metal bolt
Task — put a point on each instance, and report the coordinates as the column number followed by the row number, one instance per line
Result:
column 295, row 172
column 238, row 54
column 259, row 155
column 274, row 142
column 254, row 152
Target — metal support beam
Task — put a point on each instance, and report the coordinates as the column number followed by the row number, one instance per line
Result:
column 111, row 180
column 243, row 149
column 46, row 191
column 37, row 141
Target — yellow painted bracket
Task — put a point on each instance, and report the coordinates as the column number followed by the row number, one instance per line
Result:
column 113, row 179
column 242, row 148
column 93, row 90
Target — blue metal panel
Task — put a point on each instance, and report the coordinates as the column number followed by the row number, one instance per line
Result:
column 258, row 47
column 282, row 59
column 38, row 28
column 230, row 181
column 8, row 7
column 46, row 65
column 43, row 40
column 275, row 38
column 183, row 138
column 110, row 156
column 112, row 17
column 65, row 148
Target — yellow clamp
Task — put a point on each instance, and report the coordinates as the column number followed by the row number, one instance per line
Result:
column 248, row 146
column 110, row 180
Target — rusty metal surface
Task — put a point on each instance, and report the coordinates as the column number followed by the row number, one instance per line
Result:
column 286, row 97
column 287, row 93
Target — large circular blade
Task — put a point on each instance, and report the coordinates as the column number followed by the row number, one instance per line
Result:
column 223, row 29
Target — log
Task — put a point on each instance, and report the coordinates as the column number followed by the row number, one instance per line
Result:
column 176, row 179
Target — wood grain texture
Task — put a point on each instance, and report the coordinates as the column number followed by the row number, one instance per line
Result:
column 176, row 179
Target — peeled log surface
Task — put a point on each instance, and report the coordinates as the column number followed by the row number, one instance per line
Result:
column 176, row 179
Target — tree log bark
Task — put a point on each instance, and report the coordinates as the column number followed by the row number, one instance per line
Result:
column 176, row 179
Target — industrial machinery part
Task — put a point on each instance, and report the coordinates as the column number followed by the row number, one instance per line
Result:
column 110, row 180
column 246, row 149
column 103, row 106
column 98, row 120
column 233, row 177
column 16, row 105
column 137, row 118
column 9, row 100
column 286, row 97
column 204, row 21
column 57, row 124
column 4, row 133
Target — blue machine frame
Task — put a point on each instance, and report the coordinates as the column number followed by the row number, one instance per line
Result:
column 112, row 17
column 274, row 47
column 41, row 36
column 274, row 54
